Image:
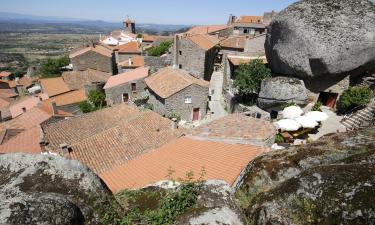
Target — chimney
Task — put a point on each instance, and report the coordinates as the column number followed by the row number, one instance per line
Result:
column 54, row 108
column 175, row 49
column 130, row 62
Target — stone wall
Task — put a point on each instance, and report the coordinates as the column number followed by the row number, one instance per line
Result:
column 72, row 108
column 192, row 58
column 155, row 63
column 95, row 61
column 176, row 103
column 114, row 94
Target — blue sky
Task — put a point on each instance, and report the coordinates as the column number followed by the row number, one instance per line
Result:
column 145, row 11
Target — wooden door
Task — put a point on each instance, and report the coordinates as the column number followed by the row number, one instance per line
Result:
column 125, row 97
column 331, row 101
column 195, row 114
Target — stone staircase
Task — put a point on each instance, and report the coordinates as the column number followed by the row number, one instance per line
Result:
column 361, row 119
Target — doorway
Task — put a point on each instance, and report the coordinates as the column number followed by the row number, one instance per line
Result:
column 195, row 114
column 328, row 99
column 125, row 97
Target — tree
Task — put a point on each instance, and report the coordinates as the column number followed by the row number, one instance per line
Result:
column 249, row 77
column 160, row 49
column 96, row 101
column 52, row 67
column 354, row 97
column 139, row 36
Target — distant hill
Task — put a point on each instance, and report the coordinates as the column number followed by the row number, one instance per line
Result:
column 8, row 20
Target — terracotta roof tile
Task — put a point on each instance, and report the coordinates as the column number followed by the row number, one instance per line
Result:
column 68, row 98
column 54, row 86
column 7, row 93
column 234, row 42
column 78, row 79
column 31, row 118
column 126, row 77
column 17, row 107
column 149, row 38
column 12, row 83
column 5, row 74
column 131, row 47
column 205, row 42
column 4, row 103
column 98, row 49
column 136, row 61
column 206, row 29
column 250, row 19
column 142, row 132
column 25, row 81
column 236, row 128
column 25, row 142
column 76, row 129
column 168, row 81
column 219, row 160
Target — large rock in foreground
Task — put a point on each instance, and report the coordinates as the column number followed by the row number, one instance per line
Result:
column 276, row 91
column 322, row 39
column 40, row 189
column 327, row 182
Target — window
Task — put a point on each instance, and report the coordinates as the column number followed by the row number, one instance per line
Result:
column 134, row 87
column 125, row 97
column 180, row 52
column 180, row 66
column 245, row 31
column 188, row 99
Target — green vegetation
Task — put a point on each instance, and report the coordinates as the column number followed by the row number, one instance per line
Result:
column 317, row 106
column 96, row 101
column 249, row 77
column 154, row 205
column 160, row 49
column 52, row 67
column 148, row 106
column 279, row 139
column 354, row 97
column 288, row 104
column 174, row 116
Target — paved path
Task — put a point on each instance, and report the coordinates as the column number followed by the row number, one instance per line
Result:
column 216, row 103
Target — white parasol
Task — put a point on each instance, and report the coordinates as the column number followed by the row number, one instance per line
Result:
column 307, row 122
column 292, row 112
column 317, row 116
column 288, row 125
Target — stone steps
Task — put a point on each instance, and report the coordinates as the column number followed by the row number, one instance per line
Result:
column 361, row 118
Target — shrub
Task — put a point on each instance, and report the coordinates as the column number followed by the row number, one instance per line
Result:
column 174, row 116
column 148, row 106
column 52, row 67
column 96, row 101
column 160, row 49
column 317, row 106
column 249, row 77
column 279, row 139
column 86, row 107
column 354, row 97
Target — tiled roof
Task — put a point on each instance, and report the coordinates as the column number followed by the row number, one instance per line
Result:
column 31, row 118
column 16, row 108
column 128, row 139
column 4, row 103
column 12, row 83
column 54, row 86
column 136, row 61
column 149, row 38
column 234, row 42
column 206, row 29
column 46, row 106
column 236, row 128
column 168, row 81
column 219, row 160
column 5, row 74
column 131, row 47
column 98, row 49
column 205, row 42
column 123, row 78
column 78, row 79
column 250, row 19
column 68, row 98
column 76, row 129
column 24, row 81
column 7, row 93
column 25, row 142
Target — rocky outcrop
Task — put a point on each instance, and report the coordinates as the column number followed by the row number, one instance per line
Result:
column 323, row 41
column 327, row 182
column 276, row 91
column 41, row 189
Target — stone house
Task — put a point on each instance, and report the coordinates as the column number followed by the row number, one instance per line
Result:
column 126, row 51
column 217, row 30
column 196, row 54
column 96, row 57
column 131, row 64
column 176, row 91
column 126, row 87
column 248, row 25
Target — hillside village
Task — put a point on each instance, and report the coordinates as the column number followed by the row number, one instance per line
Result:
column 213, row 99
